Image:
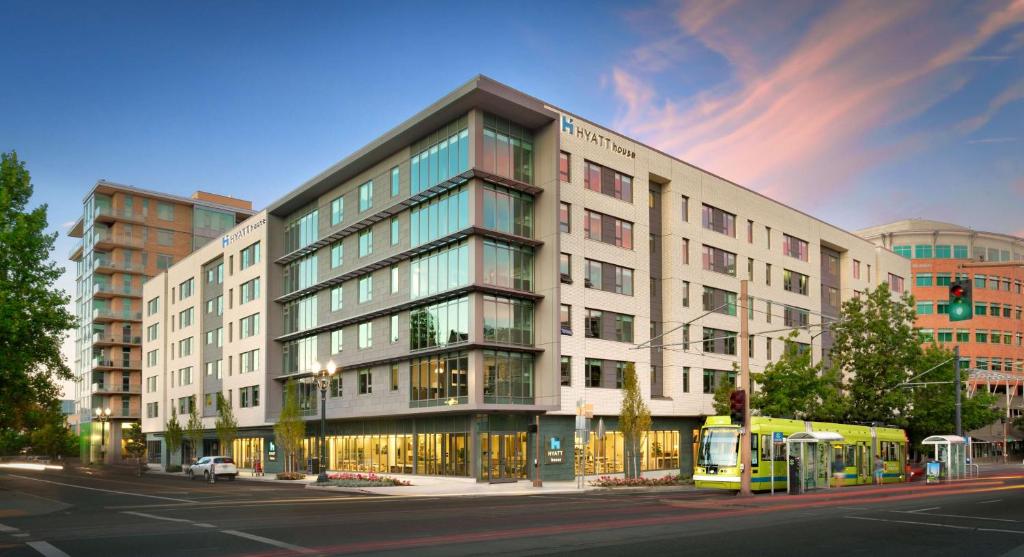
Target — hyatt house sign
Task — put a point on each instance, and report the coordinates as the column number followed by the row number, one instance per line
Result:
column 595, row 137
column 241, row 232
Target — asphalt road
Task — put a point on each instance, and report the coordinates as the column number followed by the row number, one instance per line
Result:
column 56, row 514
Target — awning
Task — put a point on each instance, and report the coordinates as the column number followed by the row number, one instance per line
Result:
column 943, row 439
column 814, row 437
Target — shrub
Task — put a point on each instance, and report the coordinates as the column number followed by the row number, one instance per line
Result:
column 608, row 481
column 290, row 476
column 346, row 479
column 173, row 468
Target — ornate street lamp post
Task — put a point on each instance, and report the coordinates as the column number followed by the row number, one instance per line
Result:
column 323, row 380
column 103, row 415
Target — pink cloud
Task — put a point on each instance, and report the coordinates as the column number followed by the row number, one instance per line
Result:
column 798, row 124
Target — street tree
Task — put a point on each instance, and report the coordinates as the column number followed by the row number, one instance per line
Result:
column 790, row 387
column 876, row 348
column 290, row 430
column 227, row 425
column 54, row 439
column 634, row 418
column 194, row 429
column 934, row 405
column 172, row 438
column 721, row 396
column 33, row 312
column 135, row 445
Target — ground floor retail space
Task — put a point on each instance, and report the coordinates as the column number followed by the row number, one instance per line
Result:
column 488, row 447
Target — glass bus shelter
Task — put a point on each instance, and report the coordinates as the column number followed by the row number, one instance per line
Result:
column 950, row 453
column 810, row 460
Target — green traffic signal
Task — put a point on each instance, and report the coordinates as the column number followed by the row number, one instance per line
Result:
column 961, row 305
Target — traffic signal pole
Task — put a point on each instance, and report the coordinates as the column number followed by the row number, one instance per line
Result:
column 956, row 366
column 745, row 448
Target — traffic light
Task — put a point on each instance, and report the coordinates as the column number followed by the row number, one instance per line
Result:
column 961, row 305
column 737, row 402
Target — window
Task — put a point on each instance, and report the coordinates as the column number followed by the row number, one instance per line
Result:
column 365, row 382
column 686, row 252
column 337, row 254
column 442, row 269
column 566, row 371
column 713, row 378
column 794, row 247
column 592, row 323
column 436, row 379
column 980, row 309
column 979, row 281
column 394, row 328
column 441, row 216
column 943, row 279
column 394, row 377
column 750, row 232
column 905, row 251
column 439, row 324
column 394, row 279
column 152, row 409
column 607, row 181
column 507, row 265
column 300, row 355
column 249, row 291
column 164, row 211
column 793, row 281
column 395, row 231
column 184, row 318
column 300, row 274
column 943, row 252
column 152, row 331
column 923, row 279
column 395, row 181
column 959, row 252
column 249, row 256
column 607, row 229
column 249, row 397
column 686, row 294
column 795, row 317
column 719, row 301
column 165, row 237
column 366, row 242
column 508, row 211
column 365, row 335
column 896, row 283
column 186, row 288
column 439, row 156
column 185, row 376
column 718, row 341
column 249, row 326
column 609, row 277
column 336, row 298
column 713, row 218
column 925, row 308
column 508, row 320
column 565, row 267
column 507, row 149
column 563, row 167
column 152, row 306
column 564, row 217
column 365, row 289
column 592, row 372
column 623, row 327
column 686, row 208
column 249, row 361
column 337, row 210
column 565, row 319
column 719, row 261
column 508, row 377
column 302, row 230
column 366, row 196
column 215, row 336
column 923, row 251
column 151, row 358
column 856, row 269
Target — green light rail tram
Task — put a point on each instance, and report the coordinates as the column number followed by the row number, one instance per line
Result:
column 717, row 465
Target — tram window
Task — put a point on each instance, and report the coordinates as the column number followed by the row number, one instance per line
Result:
column 753, row 450
column 780, row 451
column 851, row 455
column 765, row 448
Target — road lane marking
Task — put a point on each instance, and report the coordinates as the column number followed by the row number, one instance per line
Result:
column 7, row 529
column 46, row 549
column 957, row 516
column 104, row 490
column 951, row 526
column 989, row 501
column 920, row 510
column 203, row 525
column 22, row 535
column 268, row 541
column 144, row 515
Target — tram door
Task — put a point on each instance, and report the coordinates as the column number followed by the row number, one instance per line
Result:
column 504, row 456
column 863, row 462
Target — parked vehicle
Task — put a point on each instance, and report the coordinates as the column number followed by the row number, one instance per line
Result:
column 219, row 466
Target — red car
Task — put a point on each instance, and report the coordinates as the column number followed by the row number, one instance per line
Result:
column 915, row 471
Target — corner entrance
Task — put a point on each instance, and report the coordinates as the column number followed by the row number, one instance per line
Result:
column 503, row 456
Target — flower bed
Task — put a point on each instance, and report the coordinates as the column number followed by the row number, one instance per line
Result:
column 609, row 481
column 347, row 479
column 290, row 476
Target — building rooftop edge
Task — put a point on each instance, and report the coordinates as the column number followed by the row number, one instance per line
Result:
column 169, row 196
column 917, row 226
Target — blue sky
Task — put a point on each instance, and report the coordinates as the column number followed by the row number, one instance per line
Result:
column 858, row 113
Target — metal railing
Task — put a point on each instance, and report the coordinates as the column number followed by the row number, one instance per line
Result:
column 116, row 291
column 120, row 364
column 119, row 239
column 108, row 263
column 104, row 313
column 116, row 389
column 106, row 336
column 120, row 213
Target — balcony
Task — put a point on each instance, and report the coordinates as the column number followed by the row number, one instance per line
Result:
column 107, row 265
column 107, row 338
column 107, row 240
column 108, row 315
column 112, row 389
column 101, row 290
column 76, row 251
column 102, row 364
column 111, row 214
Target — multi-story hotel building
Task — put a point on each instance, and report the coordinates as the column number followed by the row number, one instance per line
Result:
column 492, row 260
column 993, row 339
column 128, row 234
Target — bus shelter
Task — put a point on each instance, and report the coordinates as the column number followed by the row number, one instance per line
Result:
column 810, row 460
column 949, row 457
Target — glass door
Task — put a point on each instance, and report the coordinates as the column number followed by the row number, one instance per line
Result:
column 503, row 456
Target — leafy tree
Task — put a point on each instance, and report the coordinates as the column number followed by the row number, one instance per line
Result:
column 227, row 425
column 634, row 418
column 194, row 429
column 290, row 430
column 135, row 444
column 54, row 438
column 876, row 348
column 172, row 437
column 790, row 387
column 934, row 406
column 721, row 397
column 33, row 314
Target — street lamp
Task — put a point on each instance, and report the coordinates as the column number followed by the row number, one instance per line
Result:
column 103, row 415
column 323, row 379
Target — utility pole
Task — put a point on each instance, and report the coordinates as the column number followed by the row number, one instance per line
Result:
column 745, row 456
column 956, row 366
